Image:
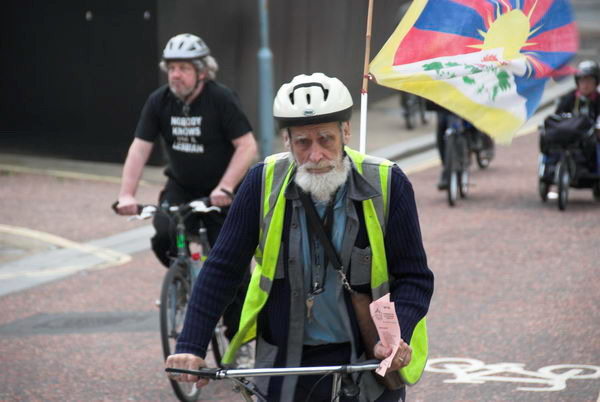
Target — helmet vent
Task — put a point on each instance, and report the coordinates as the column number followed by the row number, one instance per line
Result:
column 308, row 99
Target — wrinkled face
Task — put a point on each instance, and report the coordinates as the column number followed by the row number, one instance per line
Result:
column 319, row 145
column 182, row 76
column 318, row 150
column 587, row 85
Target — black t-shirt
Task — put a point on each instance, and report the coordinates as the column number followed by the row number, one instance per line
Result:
column 198, row 143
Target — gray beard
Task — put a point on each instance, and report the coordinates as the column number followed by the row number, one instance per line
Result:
column 322, row 186
column 181, row 96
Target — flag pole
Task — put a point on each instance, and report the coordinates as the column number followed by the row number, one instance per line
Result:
column 365, row 83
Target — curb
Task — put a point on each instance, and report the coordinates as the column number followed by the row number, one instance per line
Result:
column 426, row 142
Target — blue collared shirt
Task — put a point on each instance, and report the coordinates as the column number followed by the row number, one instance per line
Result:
column 326, row 324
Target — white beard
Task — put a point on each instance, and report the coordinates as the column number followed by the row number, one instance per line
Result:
column 322, row 186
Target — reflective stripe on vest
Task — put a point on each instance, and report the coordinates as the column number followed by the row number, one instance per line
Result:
column 379, row 274
column 276, row 175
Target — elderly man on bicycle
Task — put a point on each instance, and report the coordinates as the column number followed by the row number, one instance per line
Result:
column 209, row 143
column 302, row 309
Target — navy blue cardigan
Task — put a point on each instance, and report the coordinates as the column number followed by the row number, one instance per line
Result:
column 411, row 281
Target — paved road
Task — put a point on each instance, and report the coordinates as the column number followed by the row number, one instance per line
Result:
column 516, row 282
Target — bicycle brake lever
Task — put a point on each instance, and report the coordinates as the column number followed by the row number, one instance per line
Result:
column 200, row 206
column 145, row 212
column 349, row 388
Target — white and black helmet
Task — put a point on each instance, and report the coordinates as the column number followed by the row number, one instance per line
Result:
column 588, row 68
column 312, row 99
column 185, row 47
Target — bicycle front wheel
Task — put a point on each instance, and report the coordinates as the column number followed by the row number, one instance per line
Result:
column 174, row 298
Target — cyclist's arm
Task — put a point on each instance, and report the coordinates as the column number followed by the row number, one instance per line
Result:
column 244, row 154
column 411, row 280
column 137, row 156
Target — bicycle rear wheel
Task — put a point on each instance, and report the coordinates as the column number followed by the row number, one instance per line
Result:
column 543, row 189
column 485, row 153
column 174, row 298
column 564, row 180
column 451, row 170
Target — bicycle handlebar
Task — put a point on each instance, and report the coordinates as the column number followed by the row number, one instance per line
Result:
column 201, row 206
column 219, row 374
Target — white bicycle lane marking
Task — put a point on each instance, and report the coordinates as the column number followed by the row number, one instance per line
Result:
column 550, row 378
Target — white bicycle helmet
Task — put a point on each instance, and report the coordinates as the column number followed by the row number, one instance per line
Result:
column 312, row 99
column 185, row 47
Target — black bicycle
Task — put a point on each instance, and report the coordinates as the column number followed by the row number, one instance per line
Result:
column 343, row 383
column 462, row 140
column 177, row 284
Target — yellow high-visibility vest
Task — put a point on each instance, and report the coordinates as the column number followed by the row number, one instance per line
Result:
column 277, row 171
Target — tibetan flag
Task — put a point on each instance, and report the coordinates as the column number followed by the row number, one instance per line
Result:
column 486, row 60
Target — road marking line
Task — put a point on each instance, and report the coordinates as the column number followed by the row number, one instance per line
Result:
column 111, row 257
column 67, row 269
column 435, row 161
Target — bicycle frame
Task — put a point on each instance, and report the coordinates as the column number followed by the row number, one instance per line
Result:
column 178, row 281
column 184, row 256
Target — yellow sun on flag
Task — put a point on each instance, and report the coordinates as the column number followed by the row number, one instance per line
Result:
column 510, row 32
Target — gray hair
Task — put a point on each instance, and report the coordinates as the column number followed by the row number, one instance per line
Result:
column 206, row 64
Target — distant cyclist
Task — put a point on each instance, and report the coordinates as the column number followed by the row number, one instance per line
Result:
column 443, row 117
column 208, row 138
column 585, row 99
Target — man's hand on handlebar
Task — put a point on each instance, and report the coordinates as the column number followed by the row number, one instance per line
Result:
column 186, row 361
column 221, row 197
column 126, row 205
column 401, row 359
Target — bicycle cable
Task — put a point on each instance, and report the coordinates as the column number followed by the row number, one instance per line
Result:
column 314, row 387
column 251, row 389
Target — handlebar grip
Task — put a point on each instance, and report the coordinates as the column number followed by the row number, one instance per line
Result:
column 202, row 372
column 116, row 210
